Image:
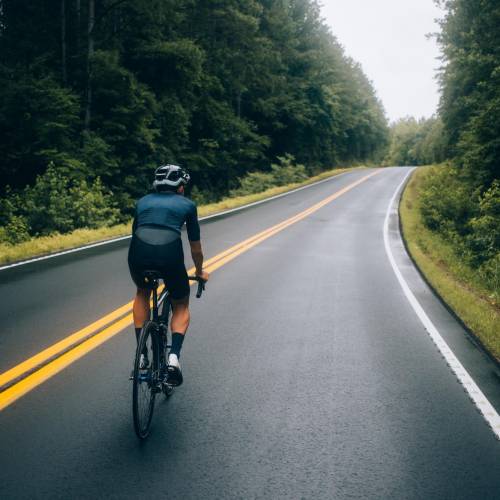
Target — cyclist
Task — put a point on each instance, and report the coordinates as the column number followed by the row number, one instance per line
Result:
column 156, row 245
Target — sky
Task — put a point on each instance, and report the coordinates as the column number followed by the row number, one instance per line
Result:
column 388, row 38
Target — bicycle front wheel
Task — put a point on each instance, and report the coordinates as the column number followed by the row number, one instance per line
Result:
column 145, row 379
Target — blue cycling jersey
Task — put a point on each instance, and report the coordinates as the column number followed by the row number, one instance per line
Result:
column 169, row 211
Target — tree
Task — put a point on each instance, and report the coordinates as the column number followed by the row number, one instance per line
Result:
column 112, row 88
column 470, row 78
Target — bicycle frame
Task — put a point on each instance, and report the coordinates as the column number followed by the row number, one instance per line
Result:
column 157, row 302
column 153, row 374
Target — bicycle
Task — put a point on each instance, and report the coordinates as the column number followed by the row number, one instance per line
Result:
column 150, row 374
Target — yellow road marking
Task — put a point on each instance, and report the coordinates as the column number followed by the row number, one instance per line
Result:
column 31, row 381
column 55, row 358
column 62, row 345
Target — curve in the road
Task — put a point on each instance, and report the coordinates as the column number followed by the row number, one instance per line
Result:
column 308, row 373
column 477, row 396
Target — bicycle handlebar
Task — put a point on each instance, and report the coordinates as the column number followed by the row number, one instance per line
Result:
column 201, row 285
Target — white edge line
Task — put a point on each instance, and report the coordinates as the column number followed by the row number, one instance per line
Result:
column 64, row 252
column 276, row 196
column 476, row 395
column 208, row 217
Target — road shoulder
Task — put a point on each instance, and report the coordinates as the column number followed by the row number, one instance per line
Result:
column 477, row 371
column 449, row 278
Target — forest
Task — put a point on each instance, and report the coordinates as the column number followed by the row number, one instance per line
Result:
column 461, row 200
column 417, row 142
column 246, row 94
column 94, row 94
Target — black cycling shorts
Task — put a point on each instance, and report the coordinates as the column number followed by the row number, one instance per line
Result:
column 167, row 258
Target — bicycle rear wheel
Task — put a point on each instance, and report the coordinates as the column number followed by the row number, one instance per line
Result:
column 145, row 379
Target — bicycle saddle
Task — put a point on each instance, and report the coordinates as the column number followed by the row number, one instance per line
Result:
column 151, row 276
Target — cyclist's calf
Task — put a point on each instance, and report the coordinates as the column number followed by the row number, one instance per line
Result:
column 180, row 315
column 141, row 307
column 180, row 311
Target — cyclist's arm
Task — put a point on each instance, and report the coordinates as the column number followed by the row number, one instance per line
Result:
column 197, row 254
column 192, row 225
column 193, row 231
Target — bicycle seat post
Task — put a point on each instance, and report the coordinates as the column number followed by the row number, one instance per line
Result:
column 152, row 278
column 155, row 301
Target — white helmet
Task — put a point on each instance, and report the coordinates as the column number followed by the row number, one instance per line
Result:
column 170, row 176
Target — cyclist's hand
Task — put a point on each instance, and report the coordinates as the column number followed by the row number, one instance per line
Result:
column 203, row 275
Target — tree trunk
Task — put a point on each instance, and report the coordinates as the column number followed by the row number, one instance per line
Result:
column 78, row 25
column 238, row 104
column 63, row 42
column 90, row 53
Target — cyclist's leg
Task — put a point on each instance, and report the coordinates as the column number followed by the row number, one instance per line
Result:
column 180, row 315
column 179, row 325
column 139, row 257
column 177, row 282
column 178, row 285
column 140, row 309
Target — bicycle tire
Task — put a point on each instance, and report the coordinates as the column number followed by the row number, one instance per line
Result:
column 145, row 381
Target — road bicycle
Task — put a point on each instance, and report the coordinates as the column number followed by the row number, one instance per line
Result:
column 149, row 376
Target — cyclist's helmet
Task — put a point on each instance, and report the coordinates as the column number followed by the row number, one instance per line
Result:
column 170, row 176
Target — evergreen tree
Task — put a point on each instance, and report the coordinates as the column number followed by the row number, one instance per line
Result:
column 109, row 89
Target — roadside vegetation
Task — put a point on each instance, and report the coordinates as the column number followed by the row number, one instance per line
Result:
column 95, row 94
column 470, row 287
column 247, row 193
column 416, row 142
column 451, row 212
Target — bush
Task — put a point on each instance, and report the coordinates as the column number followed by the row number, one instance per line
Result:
column 15, row 228
column 282, row 173
column 56, row 203
column 485, row 228
column 201, row 197
column 489, row 272
column 285, row 172
column 446, row 202
column 254, row 182
column 15, row 231
column 451, row 206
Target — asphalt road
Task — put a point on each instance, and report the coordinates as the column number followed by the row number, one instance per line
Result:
column 307, row 373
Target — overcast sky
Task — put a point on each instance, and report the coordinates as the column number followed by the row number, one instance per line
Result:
column 388, row 38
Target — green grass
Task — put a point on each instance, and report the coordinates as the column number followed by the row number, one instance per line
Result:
column 228, row 203
column 57, row 242
column 456, row 282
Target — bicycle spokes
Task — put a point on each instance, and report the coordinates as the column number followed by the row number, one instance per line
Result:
column 145, row 379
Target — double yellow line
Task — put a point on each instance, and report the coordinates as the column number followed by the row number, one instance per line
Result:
column 24, row 377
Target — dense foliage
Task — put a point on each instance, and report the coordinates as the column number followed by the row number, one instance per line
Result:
column 105, row 90
column 416, row 142
column 462, row 201
column 470, row 104
column 466, row 217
